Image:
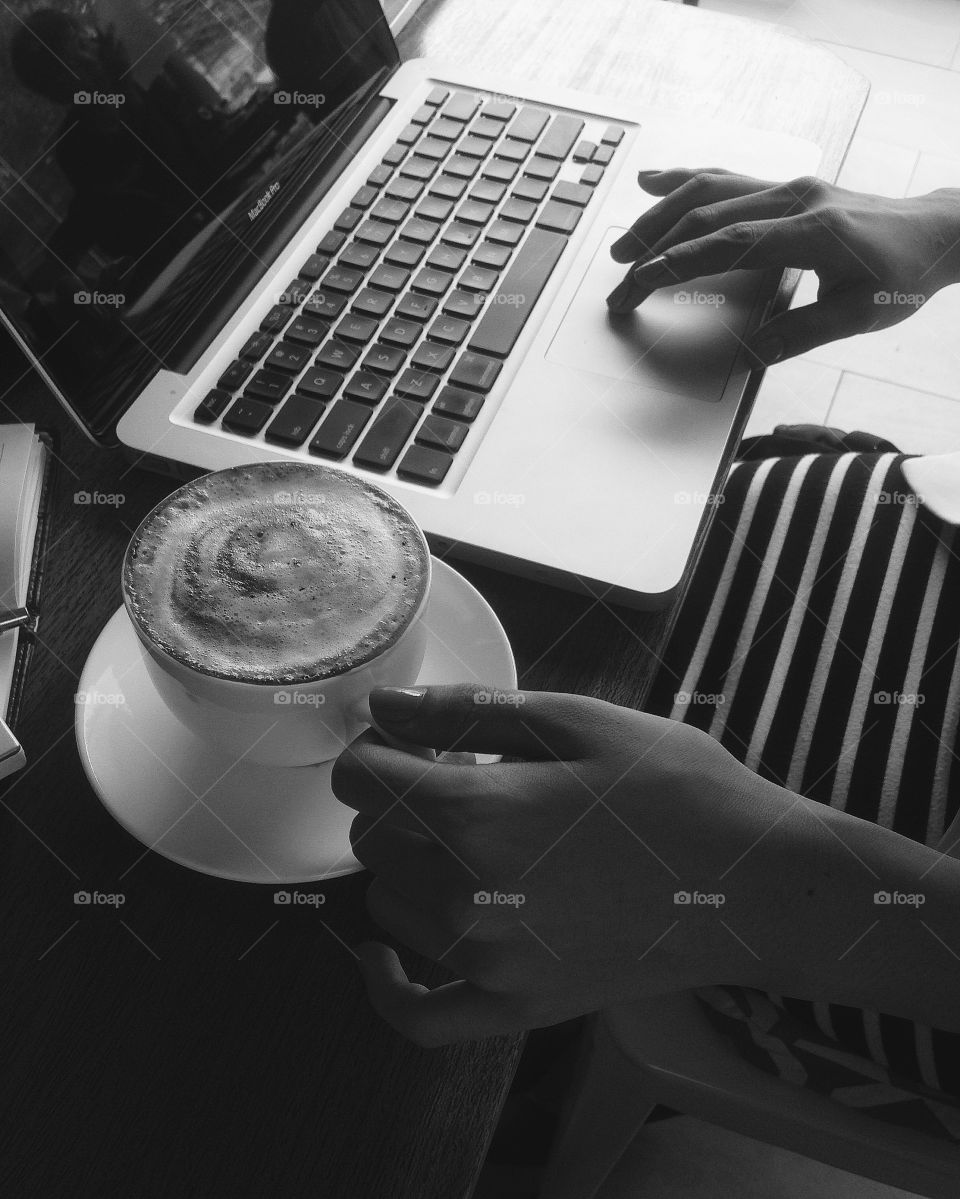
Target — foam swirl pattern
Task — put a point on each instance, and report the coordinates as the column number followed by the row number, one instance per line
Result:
column 275, row 573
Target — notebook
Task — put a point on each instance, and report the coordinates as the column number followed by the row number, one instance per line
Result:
column 25, row 471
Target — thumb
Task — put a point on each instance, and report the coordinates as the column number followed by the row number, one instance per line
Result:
column 839, row 314
column 480, row 719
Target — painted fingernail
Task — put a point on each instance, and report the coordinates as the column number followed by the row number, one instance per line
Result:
column 652, row 273
column 769, row 350
column 397, row 703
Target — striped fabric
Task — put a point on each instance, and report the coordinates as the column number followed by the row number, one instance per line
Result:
column 818, row 643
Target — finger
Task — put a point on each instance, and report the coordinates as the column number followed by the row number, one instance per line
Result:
column 530, row 724
column 410, row 864
column 416, row 926
column 385, row 782
column 458, row 1011
column 840, row 314
column 692, row 189
column 796, row 241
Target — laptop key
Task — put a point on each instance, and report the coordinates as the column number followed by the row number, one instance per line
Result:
column 561, row 137
column 306, row 331
column 478, row 278
column 572, row 193
column 409, row 135
column 472, row 212
column 442, row 434
column 463, row 304
column 561, row 218
column 419, row 230
column 432, row 282
column 461, row 167
column 234, row 376
column 314, row 267
column 433, row 208
column 419, row 168
column 268, row 385
column 512, row 150
column 364, row 197
column 603, row 155
column 212, row 406
column 276, row 319
column 339, row 430
column 402, row 188
column 487, row 191
column 592, row 175
column 521, row 211
column 338, row 354
column 461, row 107
column 356, row 328
column 286, row 356
column 491, row 255
column 449, row 330
column 464, row 236
column 584, row 151
column 424, row 465
column 404, row 253
column 348, row 220
column 542, row 168
column 446, row 258
column 386, row 360
column 474, row 147
column 528, row 124
column 320, row 384
column 437, row 97
column 394, row 156
column 529, row 189
column 256, row 346
column 454, row 401
column 247, row 417
column 433, row 357
column 294, row 421
column 447, row 131
column 401, row 332
column 390, row 210
column 484, row 127
column 380, row 175
column 377, row 233
column 613, row 135
column 500, row 170
column 434, row 148
column 389, row 278
column 417, row 384
column 504, row 320
column 507, row 233
column 424, row 115
column 476, row 371
column 417, row 308
column 326, row 304
column 498, row 110
column 366, row 387
column 343, row 279
column 330, row 243
column 360, row 255
column 447, row 187
column 294, row 293
column 388, row 434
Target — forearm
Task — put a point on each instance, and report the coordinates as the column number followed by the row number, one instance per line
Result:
column 826, row 934
column 944, row 265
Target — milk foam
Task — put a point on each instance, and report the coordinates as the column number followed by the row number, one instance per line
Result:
column 275, row 573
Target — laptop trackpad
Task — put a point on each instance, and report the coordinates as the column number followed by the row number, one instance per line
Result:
column 681, row 340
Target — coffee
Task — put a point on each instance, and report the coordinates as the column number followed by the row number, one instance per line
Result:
column 276, row 573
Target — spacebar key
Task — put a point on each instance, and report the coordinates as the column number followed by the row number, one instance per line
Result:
column 519, row 290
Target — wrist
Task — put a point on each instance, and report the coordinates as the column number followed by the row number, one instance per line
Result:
column 942, row 209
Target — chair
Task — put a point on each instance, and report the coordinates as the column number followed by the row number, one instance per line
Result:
column 665, row 1050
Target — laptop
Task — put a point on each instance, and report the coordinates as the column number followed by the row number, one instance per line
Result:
column 262, row 237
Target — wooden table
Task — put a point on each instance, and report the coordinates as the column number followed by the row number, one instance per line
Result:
column 192, row 1043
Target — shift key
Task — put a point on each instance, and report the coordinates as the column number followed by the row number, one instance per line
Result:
column 519, row 290
column 388, row 434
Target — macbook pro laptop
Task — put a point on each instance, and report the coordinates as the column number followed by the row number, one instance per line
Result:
column 249, row 232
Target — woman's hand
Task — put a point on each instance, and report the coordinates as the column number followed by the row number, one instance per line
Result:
column 878, row 259
column 625, row 855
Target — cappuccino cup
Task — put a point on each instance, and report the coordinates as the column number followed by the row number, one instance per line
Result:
column 269, row 599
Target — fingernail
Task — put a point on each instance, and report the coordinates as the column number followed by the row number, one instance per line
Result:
column 769, row 350
column 397, row 703
column 647, row 174
column 616, row 298
column 652, row 273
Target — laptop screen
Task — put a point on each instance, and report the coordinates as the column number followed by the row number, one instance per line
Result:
column 154, row 155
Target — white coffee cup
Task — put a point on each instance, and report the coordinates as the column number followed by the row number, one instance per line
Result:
column 298, row 724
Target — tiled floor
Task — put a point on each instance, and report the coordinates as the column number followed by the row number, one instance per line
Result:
column 903, row 382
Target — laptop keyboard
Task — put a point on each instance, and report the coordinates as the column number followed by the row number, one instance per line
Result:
column 381, row 352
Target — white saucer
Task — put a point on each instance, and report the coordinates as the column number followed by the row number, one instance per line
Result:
column 255, row 824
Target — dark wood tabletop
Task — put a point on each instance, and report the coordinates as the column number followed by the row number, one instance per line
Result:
column 192, row 1042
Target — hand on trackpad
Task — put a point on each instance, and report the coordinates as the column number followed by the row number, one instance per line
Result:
column 681, row 339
